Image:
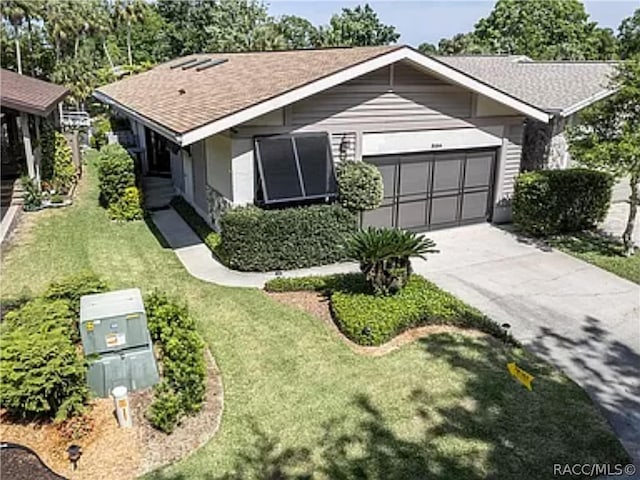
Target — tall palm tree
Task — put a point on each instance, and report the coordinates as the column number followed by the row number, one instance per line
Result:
column 14, row 12
column 128, row 12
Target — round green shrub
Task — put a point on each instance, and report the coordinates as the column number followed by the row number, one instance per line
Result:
column 128, row 207
column 360, row 185
column 548, row 202
column 115, row 173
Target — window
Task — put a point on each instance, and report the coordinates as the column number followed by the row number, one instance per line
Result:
column 295, row 168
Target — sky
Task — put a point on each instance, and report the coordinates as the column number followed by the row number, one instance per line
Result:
column 430, row 20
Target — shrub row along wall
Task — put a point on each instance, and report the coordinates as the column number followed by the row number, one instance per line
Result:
column 262, row 240
column 182, row 389
column 118, row 191
column 548, row 202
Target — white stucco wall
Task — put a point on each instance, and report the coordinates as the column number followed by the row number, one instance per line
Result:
column 218, row 153
column 242, row 171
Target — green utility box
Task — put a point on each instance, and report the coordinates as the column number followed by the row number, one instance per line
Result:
column 113, row 321
column 115, row 337
column 134, row 368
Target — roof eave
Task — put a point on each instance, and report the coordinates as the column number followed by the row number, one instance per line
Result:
column 31, row 108
column 586, row 102
column 161, row 129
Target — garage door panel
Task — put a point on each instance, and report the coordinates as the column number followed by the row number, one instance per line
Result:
column 412, row 214
column 446, row 174
column 414, row 178
column 474, row 205
column 388, row 172
column 380, row 217
column 478, row 170
column 444, row 210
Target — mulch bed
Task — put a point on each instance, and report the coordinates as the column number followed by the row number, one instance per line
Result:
column 19, row 463
column 317, row 305
column 108, row 451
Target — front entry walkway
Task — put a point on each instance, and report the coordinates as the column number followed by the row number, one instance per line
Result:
column 578, row 317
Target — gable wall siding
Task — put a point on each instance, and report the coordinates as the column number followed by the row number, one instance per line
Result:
column 198, row 153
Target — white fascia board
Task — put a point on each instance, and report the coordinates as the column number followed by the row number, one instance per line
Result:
column 363, row 68
column 165, row 132
column 567, row 112
column 390, row 143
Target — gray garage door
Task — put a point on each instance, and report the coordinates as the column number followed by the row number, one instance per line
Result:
column 425, row 191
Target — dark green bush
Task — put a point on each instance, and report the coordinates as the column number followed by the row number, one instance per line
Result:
column 32, row 198
column 183, row 365
column 261, row 240
column 115, row 173
column 209, row 236
column 165, row 411
column 41, row 369
column 548, row 202
column 64, row 171
column 128, row 207
column 373, row 320
column 74, row 286
column 360, row 185
column 100, row 126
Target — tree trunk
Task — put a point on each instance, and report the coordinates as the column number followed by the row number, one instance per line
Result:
column 129, row 43
column 106, row 51
column 18, row 57
column 627, row 236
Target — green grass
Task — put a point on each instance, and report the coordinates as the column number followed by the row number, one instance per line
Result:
column 602, row 252
column 299, row 403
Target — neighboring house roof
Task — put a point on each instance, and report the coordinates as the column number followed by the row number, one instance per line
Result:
column 558, row 87
column 190, row 104
column 28, row 94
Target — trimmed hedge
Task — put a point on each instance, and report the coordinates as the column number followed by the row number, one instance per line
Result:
column 128, row 207
column 373, row 320
column 182, row 389
column 368, row 319
column 360, row 185
column 548, row 202
column 262, row 240
column 115, row 173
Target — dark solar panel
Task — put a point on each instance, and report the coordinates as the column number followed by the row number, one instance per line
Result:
column 182, row 64
column 316, row 166
column 278, row 169
column 212, row 64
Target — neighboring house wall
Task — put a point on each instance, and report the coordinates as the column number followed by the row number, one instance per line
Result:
column 199, row 162
column 219, row 187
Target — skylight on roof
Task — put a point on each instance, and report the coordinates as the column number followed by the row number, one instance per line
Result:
column 182, row 64
column 213, row 63
column 199, row 62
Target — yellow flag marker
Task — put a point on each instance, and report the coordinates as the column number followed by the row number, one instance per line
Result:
column 523, row 377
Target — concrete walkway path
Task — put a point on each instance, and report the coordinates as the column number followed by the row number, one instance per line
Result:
column 578, row 317
column 200, row 262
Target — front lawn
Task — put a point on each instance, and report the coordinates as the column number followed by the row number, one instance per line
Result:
column 299, row 404
column 602, row 252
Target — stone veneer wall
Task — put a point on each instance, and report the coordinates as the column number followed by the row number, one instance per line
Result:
column 218, row 204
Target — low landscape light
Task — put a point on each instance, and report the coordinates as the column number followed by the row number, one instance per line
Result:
column 74, row 452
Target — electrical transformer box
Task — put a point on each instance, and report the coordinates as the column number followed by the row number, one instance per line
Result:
column 113, row 321
column 135, row 369
column 115, row 338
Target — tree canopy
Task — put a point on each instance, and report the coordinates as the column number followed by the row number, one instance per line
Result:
column 608, row 136
column 544, row 30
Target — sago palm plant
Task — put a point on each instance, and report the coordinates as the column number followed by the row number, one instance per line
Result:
column 384, row 255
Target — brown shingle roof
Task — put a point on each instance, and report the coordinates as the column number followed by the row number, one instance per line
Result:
column 551, row 86
column 182, row 100
column 28, row 94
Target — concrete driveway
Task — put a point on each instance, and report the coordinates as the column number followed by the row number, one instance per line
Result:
column 582, row 319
